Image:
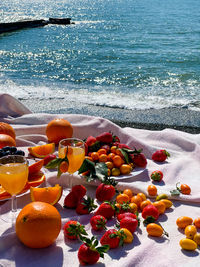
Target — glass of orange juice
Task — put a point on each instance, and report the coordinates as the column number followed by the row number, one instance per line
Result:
column 74, row 149
column 13, row 178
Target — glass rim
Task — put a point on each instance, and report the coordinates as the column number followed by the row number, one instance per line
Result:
column 71, row 139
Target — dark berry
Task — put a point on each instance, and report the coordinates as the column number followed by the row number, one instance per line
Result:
column 13, row 149
column 20, row 152
column 6, row 148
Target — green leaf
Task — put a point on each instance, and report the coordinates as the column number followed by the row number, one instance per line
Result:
column 53, row 163
column 87, row 165
column 175, row 192
column 101, row 170
column 124, row 153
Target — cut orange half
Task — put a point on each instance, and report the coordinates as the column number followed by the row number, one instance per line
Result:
column 49, row 195
column 35, row 179
column 35, row 167
column 3, row 193
column 42, row 151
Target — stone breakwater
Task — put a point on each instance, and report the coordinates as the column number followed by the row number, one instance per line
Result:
column 18, row 25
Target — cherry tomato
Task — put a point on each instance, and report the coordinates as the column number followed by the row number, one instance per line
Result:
column 103, row 158
column 142, row 195
column 190, row 231
column 197, row 238
column 152, row 190
column 125, row 169
column 185, row 189
column 160, row 206
column 183, row 221
column 197, row 222
column 144, row 203
column 128, row 234
column 137, row 200
column 128, row 192
column 154, row 229
column 188, row 244
column 121, row 198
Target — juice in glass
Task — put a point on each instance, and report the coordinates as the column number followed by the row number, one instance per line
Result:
column 75, row 156
column 13, row 177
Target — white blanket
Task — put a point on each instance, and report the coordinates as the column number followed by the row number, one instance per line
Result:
column 183, row 166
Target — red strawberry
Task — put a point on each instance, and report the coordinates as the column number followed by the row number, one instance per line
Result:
column 71, row 200
column 49, row 158
column 86, row 148
column 123, row 146
column 85, row 205
column 79, row 191
column 90, row 140
column 160, row 155
column 113, row 238
column 124, row 208
column 116, row 139
column 98, row 222
column 129, row 223
column 89, row 253
column 106, row 209
column 126, row 214
column 105, row 192
column 105, row 137
column 73, row 230
column 139, row 160
column 150, row 213
column 156, row 176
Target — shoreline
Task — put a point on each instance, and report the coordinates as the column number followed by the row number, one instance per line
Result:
column 151, row 119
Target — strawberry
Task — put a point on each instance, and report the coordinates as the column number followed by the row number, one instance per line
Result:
column 71, row 200
column 105, row 137
column 85, row 205
column 113, row 238
column 74, row 230
column 126, row 214
column 106, row 209
column 139, row 159
column 49, row 158
column 150, row 213
column 89, row 253
column 86, row 148
column 116, row 139
column 106, row 190
column 123, row 146
column 124, row 208
column 98, row 222
column 156, row 176
column 90, row 140
column 160, row 155
column 129, row 223
column 79, row 191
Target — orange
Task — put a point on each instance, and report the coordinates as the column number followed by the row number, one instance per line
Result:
column 125, row 169
column 142, row 195
column 121, row 198
column 103, row 158
column 118, row 161
column 111, row 156
column 137, row 200
column 109, row 164
column 3, row 193
column 6, row 140
column 38, row 225
column 49, row 195
column 133, row 207
column 160, row 206
column 35, row 167
column 102, row 151
column 58, row 129
column 152, row 190
column 42, row 151
column 95, row 156
column 6, row 128
column 128, row 192
column 113, row 149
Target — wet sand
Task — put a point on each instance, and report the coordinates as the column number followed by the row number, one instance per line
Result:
column 152, row 119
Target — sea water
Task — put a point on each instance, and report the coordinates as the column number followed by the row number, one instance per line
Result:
column 131, row 54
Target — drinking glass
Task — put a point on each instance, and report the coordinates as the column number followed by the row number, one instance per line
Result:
column 13, row 178
column 74, row 149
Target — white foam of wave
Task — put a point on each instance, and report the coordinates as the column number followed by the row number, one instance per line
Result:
column 104, row 97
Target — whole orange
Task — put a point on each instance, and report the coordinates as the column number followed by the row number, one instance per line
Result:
column 6, row 128
column 38, row 225
column 58, row 129
column 6, row 140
